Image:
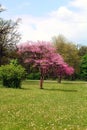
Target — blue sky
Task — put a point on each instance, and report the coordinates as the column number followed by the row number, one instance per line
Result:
column 34, row 7
column 43, row 19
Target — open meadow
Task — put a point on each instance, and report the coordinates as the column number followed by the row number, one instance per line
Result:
column 56, row 107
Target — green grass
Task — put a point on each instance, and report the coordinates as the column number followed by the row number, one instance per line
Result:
column 56, row 107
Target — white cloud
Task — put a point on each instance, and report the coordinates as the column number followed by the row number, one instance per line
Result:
column 72, row 24
column 79, row 4
column 60, row 13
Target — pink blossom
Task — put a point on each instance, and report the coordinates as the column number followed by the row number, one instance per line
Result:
column 43, row 55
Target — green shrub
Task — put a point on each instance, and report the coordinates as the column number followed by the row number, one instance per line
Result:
column 12, row 75
column 34, row 76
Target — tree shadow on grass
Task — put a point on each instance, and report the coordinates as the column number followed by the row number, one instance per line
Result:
column 74, row 82
column 63, row 90
column 25, row 88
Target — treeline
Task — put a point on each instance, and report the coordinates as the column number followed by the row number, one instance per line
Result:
column 74, row 55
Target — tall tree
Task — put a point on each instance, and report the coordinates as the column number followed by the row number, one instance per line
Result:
column 9, row 37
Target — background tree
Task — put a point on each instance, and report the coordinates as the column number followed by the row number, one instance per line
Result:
column 9, row 37
column 82, row 51
column 83, row 67
column 68, row 50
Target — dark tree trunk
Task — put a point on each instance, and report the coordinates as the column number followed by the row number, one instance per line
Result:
column 0, row 60
column 41, row 82
column 59, row 79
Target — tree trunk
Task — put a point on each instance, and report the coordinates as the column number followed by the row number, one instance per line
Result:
column 41, row 82
column 59, row 79
column 1, row 54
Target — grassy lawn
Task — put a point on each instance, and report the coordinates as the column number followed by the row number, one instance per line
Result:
column 56, row 107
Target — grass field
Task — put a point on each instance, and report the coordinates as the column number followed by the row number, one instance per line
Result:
column 56, row 107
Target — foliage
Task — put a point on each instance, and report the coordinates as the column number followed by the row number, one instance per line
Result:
column 83, row 67
column 57, row 107
column 1, row 8
column 68, row 50
column 9, row 37
column 33, row 76
column 12, row 75
column 82, row 51
column 43, row 56
column 14, row 62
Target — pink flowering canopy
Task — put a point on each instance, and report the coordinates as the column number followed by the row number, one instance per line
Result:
column 37, row 52
column 43, row 55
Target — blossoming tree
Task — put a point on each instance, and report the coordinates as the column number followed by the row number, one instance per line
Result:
column 43, row 56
